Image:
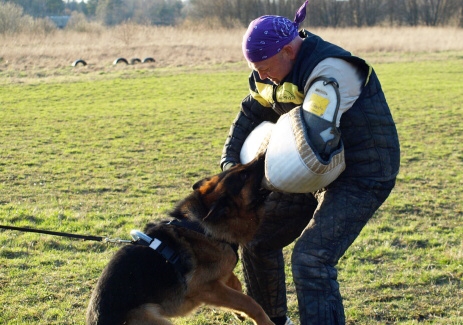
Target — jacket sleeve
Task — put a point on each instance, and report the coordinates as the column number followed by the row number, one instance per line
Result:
column 252, row 113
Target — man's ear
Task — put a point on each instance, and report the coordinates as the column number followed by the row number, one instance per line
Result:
column 290, row 50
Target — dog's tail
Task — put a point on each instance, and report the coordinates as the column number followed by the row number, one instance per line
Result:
column 145, row 314
column 96, row 315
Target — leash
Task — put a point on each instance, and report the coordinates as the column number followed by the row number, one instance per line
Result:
column 138, row 238
column 64, row 234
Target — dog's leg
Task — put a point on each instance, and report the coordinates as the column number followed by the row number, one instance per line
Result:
column 221, row 295
column 234, row 283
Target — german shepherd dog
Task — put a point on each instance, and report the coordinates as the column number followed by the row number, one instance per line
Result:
column 142, row 286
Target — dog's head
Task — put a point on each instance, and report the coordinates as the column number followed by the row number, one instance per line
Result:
column 230, row 205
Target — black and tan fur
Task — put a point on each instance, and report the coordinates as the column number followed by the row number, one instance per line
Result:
column 139, row 286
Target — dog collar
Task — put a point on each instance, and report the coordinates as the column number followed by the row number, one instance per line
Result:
column 196, row 226
column 140, row 238
column 163, row 249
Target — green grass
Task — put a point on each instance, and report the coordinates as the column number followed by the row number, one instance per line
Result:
column 103, row 157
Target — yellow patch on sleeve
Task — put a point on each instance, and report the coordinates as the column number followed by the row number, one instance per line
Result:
column 260, row 99
column 317, row 104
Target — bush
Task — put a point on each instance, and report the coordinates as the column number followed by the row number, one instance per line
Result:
column 210, row 23
column 79, row 23
column 13, row 21
column 10, row 18
column 126, row 32
column 38, row 26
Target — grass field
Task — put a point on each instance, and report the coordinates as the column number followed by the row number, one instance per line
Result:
column 106, row 155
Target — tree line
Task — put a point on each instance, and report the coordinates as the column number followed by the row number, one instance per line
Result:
column 232, row 13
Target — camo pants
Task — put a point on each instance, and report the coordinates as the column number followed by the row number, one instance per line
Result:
column 325, row 224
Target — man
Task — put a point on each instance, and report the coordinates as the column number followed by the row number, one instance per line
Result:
column 285, row 63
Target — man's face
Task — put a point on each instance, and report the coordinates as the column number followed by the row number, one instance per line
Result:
column 274, row 68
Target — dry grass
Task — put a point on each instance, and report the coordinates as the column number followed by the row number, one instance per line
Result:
column 44, row 55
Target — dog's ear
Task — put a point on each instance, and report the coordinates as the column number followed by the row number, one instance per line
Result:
column 218, row 209
column 197, row 184
column 200, row 183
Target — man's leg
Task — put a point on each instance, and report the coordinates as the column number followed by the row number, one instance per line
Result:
column 263, row 265
column 343, row 211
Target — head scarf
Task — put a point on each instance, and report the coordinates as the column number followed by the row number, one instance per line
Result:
column 267, row 35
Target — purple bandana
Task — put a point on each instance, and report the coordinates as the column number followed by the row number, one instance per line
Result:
column 267, row 35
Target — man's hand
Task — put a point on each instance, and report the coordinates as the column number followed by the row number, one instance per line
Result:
column 227, row 165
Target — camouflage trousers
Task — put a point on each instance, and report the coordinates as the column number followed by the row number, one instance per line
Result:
column 325, row 224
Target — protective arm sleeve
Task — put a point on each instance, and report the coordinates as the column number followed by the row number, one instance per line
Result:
column 349, row 78
column 252, row 114
column 322, row 112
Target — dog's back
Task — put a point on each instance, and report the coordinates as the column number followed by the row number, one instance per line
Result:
column 137, row 275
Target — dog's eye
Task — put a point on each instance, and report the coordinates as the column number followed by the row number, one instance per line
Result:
column 244, row 176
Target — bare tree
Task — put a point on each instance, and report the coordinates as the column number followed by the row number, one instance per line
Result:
column 328, row 13
column 110, row 12
column 431, row 11
column 356, row 13
column 373, row 11
column 231, row 13
column 393, row 14
column 411, row 12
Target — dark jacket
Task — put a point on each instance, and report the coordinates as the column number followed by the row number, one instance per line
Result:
column 368, row 131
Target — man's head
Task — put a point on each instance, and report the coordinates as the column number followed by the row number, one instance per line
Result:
column 267, row 40
column 280, row 65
